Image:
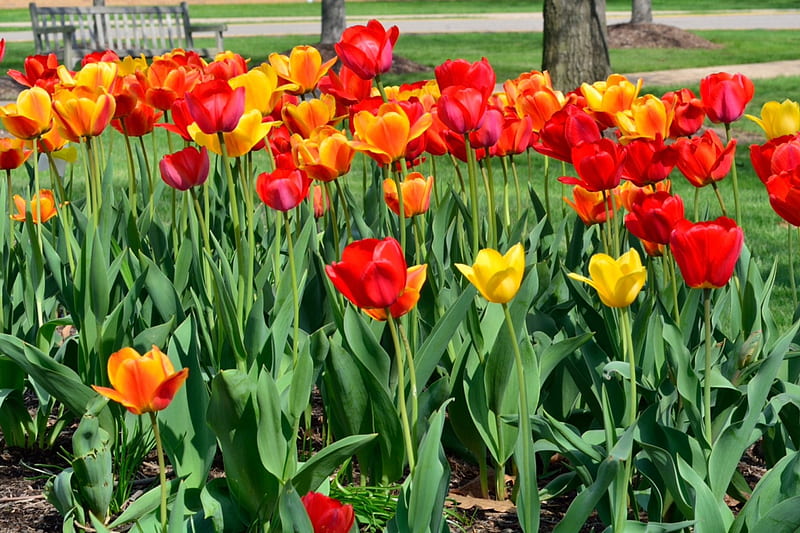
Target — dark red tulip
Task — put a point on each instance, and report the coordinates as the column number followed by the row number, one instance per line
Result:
column 367, row 50
column 371, row 274
column 654, row 216
column 347, row 87
column 185, row 169
column 461, row 108
column 489, row 133
column 725, row 96
column 328, row 515
column 706, row 252
column 139, row 121
column 283, row 189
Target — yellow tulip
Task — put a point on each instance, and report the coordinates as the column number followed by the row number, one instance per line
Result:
column 248, row 132
column 260, row 89
column 617, row 281
column 778, row 119
column 497, row 277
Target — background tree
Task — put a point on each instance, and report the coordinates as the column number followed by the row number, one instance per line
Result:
column 641, row 11
column 575, row 48
column 334, row 21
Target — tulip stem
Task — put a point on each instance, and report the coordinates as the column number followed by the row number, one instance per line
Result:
column 791, row 268
column 506, row 195
column 379, row 85
column 206, row 244
column 488, row 182
column 131, row 170
column 150, row 182
column 707, row 375
column 295, row 295
column 412, row 377
column 401, row 390
column 162, row 471
column 735, row 178
column 346, row 209
column 237, row 228
column 674, row 281
column 64, row 214
column 334, row 221
column 530, row 502
column 473, row 193
column 628, row 354
column 546, row 187
column 401, row 206
column 719, row 199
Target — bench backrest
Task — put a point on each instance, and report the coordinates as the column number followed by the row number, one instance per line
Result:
column 128, row 30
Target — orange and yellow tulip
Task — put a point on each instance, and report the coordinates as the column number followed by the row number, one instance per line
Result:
column 92, row 75
column 385, row 136
column 607, row 98
column 416, row 194
column 83, row 112
column 303, row 68
column 261, row 89
column 324, row 156
column 142, row 383
column 30, row 116
column 647, row 118
column 305, row 117
column 13, row 153
column 589, row 205
column 43, row 203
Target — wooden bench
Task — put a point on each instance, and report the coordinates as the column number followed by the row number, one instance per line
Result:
column 72, row 32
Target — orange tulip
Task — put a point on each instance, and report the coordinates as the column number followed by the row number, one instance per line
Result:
column 165, row 81
column 415, row 278
column 385, row 136
column 303, row 67
column 324, row 156
column 82, row 112
column 30, row 116
column 305, row 117
column 12, row 153
column 416, row 194
column 226, row 65
column 43, row 203
column 142, row 383
column 589, row 205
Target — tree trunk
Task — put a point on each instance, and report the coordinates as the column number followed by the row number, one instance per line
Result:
column 333, row 21
column 575, row 46
column 641, row 11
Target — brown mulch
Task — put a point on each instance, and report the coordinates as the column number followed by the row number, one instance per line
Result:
column 629, row 35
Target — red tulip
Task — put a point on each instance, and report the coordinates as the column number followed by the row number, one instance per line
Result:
column 688, row 112
column 598, row 164
column 704, row 159
column 415, row 278
column 372, row 273
column 489, row 133
column 654, row 216
column 40, row 71
column 140, row 121
column 367, row 50
column 283, row 189
column 761, row 156
column 565, row 129
column 105, row 56
column 590, row 206
column 461, row 108
column 725, row 96
column 2, row 49
column 478, row 75
column 346, row 86
column 328, row 515
column 215, row 106
column 185, row 169
column 706, row 252
column 784, row 195
column 515, row 136
column 648, row 161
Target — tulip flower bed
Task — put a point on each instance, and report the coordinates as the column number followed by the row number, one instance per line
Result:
column 307, row 237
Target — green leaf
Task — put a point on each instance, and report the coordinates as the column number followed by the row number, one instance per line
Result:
column 220, row 508
column 313, row 472
column 294, row 518
column 57, row 379
column 711, row 514
column 273, row 445
column 188, row 439
column 587, row 499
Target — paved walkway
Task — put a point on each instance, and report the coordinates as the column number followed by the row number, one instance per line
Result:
column 527, row 22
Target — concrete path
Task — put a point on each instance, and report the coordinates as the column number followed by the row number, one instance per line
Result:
column 527, row 22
